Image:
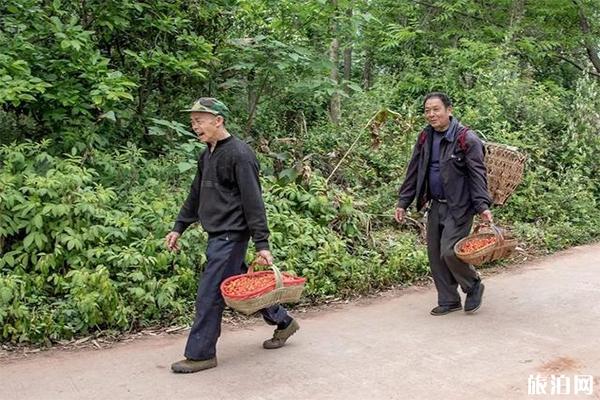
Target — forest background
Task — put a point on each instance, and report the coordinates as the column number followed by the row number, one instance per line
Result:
column 96, row 158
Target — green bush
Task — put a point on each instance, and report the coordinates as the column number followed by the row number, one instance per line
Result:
column 78, row 256
column 96, row 159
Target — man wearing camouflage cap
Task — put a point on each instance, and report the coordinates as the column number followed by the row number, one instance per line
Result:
column 226, row 198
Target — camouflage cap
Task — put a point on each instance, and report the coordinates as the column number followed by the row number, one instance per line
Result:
column 209, row 105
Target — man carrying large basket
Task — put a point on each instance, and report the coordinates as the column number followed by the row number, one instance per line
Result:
column 447, row 170
column 226, row 198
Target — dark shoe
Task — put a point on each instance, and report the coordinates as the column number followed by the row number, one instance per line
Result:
column 188, row 366
column 474, row 298
column 443, row 310
column 281, row 335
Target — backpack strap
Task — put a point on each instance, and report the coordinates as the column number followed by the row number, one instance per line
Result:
column 462, row 138
column 422, row 138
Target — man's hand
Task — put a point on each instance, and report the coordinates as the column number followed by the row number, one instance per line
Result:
column 399, row 214
column 171, row 241
column 486, row 216
column 264, row 257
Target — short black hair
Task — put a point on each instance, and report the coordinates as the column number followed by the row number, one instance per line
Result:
column 440, row 95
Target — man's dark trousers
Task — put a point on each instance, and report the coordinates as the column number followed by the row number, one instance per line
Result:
column 224, row 258
column 447, row 270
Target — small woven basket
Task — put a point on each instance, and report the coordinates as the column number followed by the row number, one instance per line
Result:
column 288, row 292
column 501, row 248
column 505, row 166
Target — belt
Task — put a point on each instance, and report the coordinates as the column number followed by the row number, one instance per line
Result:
column 443, row 201
column 236, row 236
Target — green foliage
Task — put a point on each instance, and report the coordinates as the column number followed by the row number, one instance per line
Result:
column 96, row 159
column 78, row 256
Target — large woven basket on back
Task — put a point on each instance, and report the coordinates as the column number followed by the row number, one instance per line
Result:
column 287, row 289
column 505, row 166
column 503, row 246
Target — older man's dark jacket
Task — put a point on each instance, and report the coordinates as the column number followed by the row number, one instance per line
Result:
column 463, row 172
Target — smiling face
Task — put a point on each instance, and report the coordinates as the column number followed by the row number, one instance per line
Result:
column 437, row 114
column 208, row 127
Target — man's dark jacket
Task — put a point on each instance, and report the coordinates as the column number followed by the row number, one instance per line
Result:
column 462, row 168
column 226, row 196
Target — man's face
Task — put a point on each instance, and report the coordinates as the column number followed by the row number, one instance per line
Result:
column 206, row 126
column 437, row 114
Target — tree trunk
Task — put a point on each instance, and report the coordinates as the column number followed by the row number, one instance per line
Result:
column 516, row 13
column 252, row 92
column 367, row 76
column 253, row 99
column 334, row 55
column 347, row 67
column 348, row 62
column 348, row 54
column 335, row 101
column 590, row 47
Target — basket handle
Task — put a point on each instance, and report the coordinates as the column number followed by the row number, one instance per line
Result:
column 495, row 230
column 253, row 264
column 276, row 271
column 251, row 267
column 278, row 277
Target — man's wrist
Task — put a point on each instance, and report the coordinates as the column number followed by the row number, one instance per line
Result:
column 262, row 245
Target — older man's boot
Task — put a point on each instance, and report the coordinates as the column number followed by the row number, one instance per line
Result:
column 188, row 366
column 281, row 335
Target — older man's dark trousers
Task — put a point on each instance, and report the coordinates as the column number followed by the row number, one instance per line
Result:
column 447, row 270
column 224, row 258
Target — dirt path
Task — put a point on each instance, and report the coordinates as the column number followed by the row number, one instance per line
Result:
column 539, row 320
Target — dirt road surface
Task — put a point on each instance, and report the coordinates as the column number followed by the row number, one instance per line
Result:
column 538, row 320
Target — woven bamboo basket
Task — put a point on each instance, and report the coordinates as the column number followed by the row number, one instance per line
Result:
column 281, row 293
column 501, row 248
column 505, row 166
